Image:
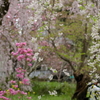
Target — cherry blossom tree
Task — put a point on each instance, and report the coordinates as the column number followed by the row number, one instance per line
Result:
column 60, row 28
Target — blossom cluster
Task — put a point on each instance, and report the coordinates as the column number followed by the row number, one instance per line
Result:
column 53, row 93
column 22, row 53
column 16, row 85
column 10, row 91
column 95, row 50
column 21, row 74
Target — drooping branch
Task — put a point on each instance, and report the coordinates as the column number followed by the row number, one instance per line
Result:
column 62, row 57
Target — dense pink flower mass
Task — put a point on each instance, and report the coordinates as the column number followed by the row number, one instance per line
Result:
column 20, row 76
column 14, row 53
column 21, row 44
column 2, row 93
column 20, row 57
column 23, row 54
column 20, row 73
column 25, row 81
column 4, row 98
column 15, row 87
column 28, row 59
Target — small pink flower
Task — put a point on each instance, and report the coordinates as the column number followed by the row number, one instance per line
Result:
column 12, row 81
column 12, row 91
column 19, row 97
column 34, row 59
column 16, row 86
column 17, row 44
column 2, row 92
column 30, row 64
column 29, row 54
column 23, row 43
column 22, row 92
column 25, row 81
column 28, row 59
column 14, row 53
column 29, row 50
column 20, row 76
column 4, row 98
column 29, row 97
column 20, row 50
column 20, row 57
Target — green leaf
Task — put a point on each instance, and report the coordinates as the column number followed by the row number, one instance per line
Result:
column 82, row 8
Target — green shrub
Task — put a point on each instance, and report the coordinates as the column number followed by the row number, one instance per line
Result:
column 42, row 87
column 68, row 89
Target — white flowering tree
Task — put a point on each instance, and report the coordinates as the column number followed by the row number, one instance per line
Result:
column 93, row 62
column 16, row 37
column 66, row 29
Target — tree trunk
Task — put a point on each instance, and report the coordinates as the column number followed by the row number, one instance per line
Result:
column 81, row 85
column 4, row 6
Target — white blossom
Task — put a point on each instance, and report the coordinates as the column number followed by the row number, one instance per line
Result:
column 34, row 39
column 53, row 93
column 39, row 97
column 95, row 49
column 36, row 56
column 40, row 59
column 51, row 77
column 53, row 70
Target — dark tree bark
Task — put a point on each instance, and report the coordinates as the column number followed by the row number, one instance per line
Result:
column 4, row 6
column 81, row 85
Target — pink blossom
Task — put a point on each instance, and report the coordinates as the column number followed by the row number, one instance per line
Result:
column 29, row 50
column 18, row 71
column 19, row 97
column 29, row 97
column 25, row 50
column 12, row 91
column 12, row 81
column 16, row 86
column 30, row 64
column 20, row 57
column 24, row 70
column 22, row 92
column 20, row 50
column 20, row 76
column 29, row 54
column 2, row 92
column 4, row 98
column 28, row 59
column 25, row 81
column 34, row 59
column 54, row 18
column 21, row 44
column 14, row 53
column 17, row 44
